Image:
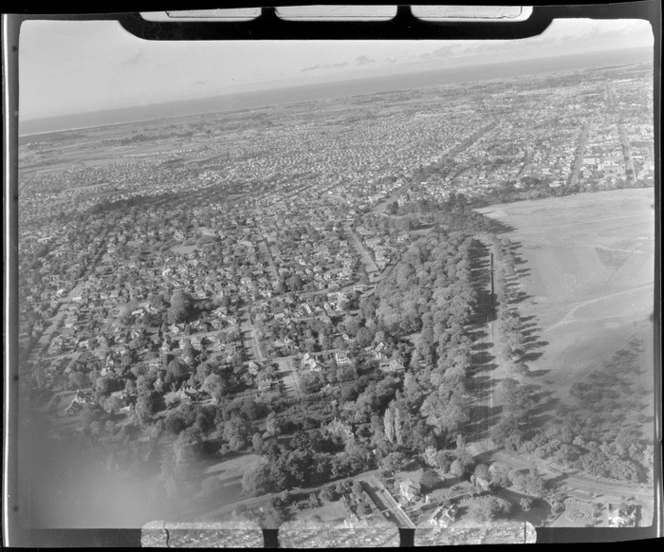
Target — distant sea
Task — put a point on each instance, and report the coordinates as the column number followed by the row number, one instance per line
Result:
column 355, row 87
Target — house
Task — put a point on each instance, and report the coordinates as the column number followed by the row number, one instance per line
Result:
column 622, row 516
column 253, row 367
column 341, row 429
column 187, row 393
column 444, row 515
column 341, row 358
column 379, row 356
column 409, row 490
column 480, row 484
column 77, row 403
column 310, row 363
column 392, row 366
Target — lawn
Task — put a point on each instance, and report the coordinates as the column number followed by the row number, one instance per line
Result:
column 230, row 473
column 330, row 512
column 587, row 267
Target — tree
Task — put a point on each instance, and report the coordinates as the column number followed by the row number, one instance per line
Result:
column 176, row 467
column 393, row 461
column 295, row 282
column 105, row 385
column 490, row 509
column 145, row 407
column 465, row 459
column 358, row 489
column 525, row 504
column 500, row 478
column 80, row 380
column 430, row 481
column 214, row 386
column 430, row 456
column 157, row 301
column 177, row 370
column 388, row 418
column 274, row 515
column 174, row 423
column 237, row 433
column 530, row 483
column 181, row 309
column 456, row 469
column 311, row 382
column 364, row 337
column 113, row 404
column 326, row 494
column 257, row 479
column 257, row 443
column 272, row 425
column 444, row 459
column 482, row 471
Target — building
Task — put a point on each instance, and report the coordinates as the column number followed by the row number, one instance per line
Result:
column 342, row 358
column 443, row 516
column 622, row 516
column 409, row 490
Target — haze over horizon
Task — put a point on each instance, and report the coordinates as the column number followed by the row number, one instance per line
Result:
column 90, row 67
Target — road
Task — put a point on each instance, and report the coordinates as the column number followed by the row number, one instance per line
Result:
column 291, row 381
column 627, row 154
column 577, row 481
column 46, row 335
column 571, row 480
column 256, row 501
column 578, row 159
column 268, row 256
column 366, row 258
column 481, row 379
column 385, row 502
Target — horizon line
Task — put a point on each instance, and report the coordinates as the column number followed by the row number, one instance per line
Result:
column 245, row 93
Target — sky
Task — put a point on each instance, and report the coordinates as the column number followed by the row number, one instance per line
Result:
column 68, row 67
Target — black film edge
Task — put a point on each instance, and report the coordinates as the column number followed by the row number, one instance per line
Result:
column 404, row 26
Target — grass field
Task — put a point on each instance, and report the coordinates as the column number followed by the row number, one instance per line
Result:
column 329, row 512
column 587, row 268
column 230, row 473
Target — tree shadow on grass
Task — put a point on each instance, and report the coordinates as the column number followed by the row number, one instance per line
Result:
column 537, row 373
column 535, row 344
column 529, row 339
column 477, row 334
column 481, row 347
column 483, row 384
column 521, row 296
column 515, row 246
column 499, row 227
column 545, row 406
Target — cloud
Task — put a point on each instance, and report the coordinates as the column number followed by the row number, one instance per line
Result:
column 459, row 49
column 324, row 66
column 363, row 60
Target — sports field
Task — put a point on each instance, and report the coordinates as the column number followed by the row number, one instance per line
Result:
column 588, row 273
